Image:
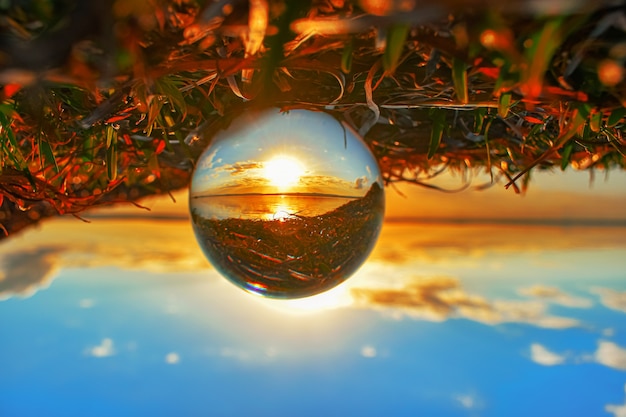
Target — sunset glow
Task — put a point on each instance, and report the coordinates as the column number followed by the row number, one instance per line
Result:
column 283, row 171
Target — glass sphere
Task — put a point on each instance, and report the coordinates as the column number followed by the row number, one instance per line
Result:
column 286, row 204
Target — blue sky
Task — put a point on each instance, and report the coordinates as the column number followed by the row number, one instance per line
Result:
column 496, row 324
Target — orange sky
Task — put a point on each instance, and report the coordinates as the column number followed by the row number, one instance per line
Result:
column 552, row 196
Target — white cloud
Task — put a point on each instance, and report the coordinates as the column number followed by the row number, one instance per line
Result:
column 33, row 259
column 442, row 298
column 25, row 271
column 86, row 303
column 368, row 351
column 541, row 355
column 608, row 332
column 611, row 355
column 555, row 295
column 613, row 299
column 103, row 350
column 618, row 410
column 172, row 358
column 467, row 401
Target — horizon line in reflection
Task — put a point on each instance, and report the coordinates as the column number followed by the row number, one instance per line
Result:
column 589, row 222
column 528, row 221
column 296, row 194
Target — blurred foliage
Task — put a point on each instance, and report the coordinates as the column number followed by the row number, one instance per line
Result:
column 112, row 100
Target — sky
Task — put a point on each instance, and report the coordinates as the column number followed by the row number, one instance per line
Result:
column 124, row 316
column 299, row 151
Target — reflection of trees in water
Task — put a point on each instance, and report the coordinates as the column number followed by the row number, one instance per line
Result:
column 295, row 256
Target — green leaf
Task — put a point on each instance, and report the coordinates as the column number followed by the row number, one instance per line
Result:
column 167, row 87
column 504, row 104
column 48, row 155
column 111, row 157
column 396, row 37
column 439, row 124
column 14, row 153
column 583, row 112
column 567, row 154
column 538, row 56
column 88, row 148
column 616, row 116
column 459, row 77
column 30, row 178
column 479, row 119
column 111, row 161
column 111, row 134
column 346, row 57
column 595, row 121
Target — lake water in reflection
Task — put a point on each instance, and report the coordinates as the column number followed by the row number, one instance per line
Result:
column 127, row 318
column 266, row 207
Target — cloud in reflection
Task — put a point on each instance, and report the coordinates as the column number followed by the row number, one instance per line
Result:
column 103, row 350
column 26, row 270
column 172, row 358
column 541, row 355
column 33, row 259
column 441, row 298
column 369, row 351
column 555, row 295
column 248, row 355
column 467, row 401
column 618, row 410
column 611, row 355
column 613, row 299
column 86, row 303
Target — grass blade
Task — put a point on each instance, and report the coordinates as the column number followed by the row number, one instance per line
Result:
column 111, row 156
column 396, row 35
column 567, row 154
column 46, row 151
column 504, row 104
column 459, row 78
column 346, row 57
column 439, row 124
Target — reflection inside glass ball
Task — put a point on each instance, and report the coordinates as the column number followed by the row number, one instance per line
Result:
column 286, row 204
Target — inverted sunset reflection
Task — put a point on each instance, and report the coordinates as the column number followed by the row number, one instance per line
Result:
column 286, row 205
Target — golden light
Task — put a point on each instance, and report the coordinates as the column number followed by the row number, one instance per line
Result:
column 610, row 72
column 334, row 299
column 283, row 171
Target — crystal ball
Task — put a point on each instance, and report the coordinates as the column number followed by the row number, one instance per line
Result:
column 286, row 204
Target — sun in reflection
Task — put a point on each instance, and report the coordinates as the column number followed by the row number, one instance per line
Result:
column 283, row 171
column 281, row 212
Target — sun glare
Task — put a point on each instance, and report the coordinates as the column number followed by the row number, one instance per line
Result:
column 283, row 171
column 331, row 300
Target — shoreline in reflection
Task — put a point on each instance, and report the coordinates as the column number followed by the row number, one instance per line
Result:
column 267, row 206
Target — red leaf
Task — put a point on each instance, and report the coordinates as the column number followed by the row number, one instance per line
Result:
column 491, row 72
column 11, row 89
column 534, row 120
column 118, row 118
column 160, row 147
